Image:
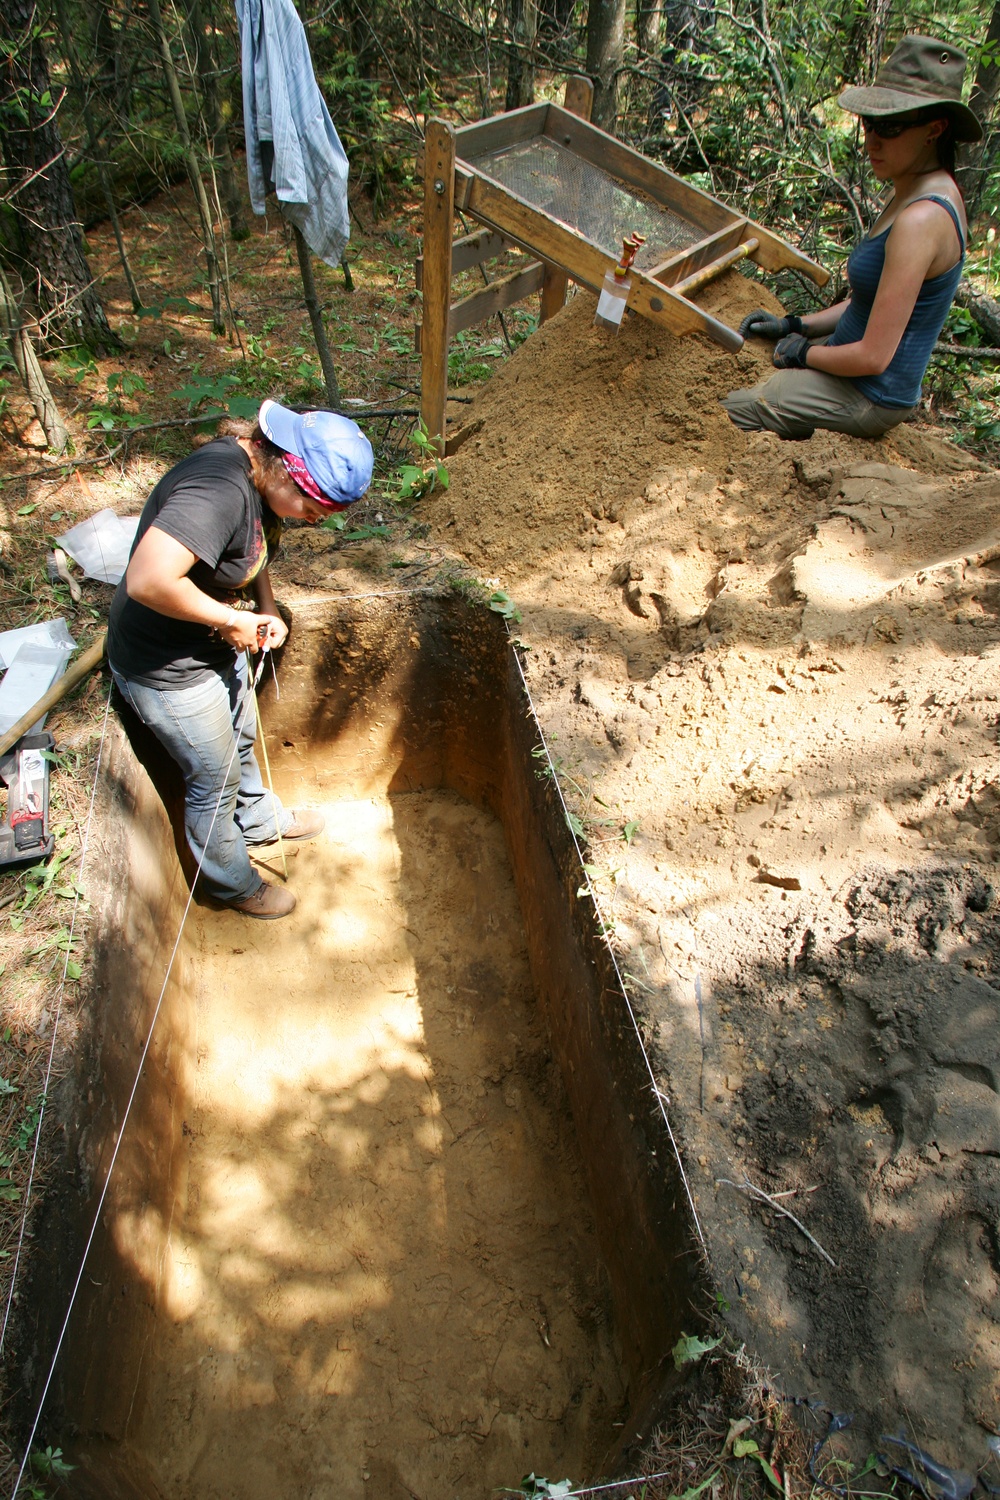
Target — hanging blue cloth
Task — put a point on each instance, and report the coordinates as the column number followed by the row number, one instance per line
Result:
column 282, row 104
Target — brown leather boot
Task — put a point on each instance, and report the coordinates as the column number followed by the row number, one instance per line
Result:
column 305, row 824
column 268, row 902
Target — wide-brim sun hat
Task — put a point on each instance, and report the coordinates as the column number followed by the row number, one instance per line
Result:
column 921, row 71
column 327, row 455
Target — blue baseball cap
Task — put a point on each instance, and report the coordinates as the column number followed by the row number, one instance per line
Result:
column 334, row 450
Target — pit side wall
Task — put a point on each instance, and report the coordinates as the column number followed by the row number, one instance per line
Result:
column 137, row 892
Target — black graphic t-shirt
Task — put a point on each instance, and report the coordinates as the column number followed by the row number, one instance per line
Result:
column 208, row 503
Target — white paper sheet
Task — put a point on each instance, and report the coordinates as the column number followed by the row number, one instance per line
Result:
column 101, row 544
column 46, row 633
column 32, row 672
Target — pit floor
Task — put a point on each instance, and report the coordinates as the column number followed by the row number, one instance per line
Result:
column 382, row 1277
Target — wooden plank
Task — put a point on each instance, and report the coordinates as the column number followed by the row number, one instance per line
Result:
column 579, row 100
column 579, row 96
column 775, row 254
column 661, row 304
column 676, row 267
column 715, row 268
column 491, row 299
column 498, row 131
column 587, row 262
column 464, row 178
column 554, row 285
column 470, row 250
column 439, row 217
column 636, row 170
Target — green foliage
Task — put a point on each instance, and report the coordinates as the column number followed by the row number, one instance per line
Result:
column 121, row 386
column 539, row 1488
column 502, row 604
column 466, row 354
column 363, row 115
column 422, row 478
column 50, row 1462
column 362, row 533
column 689, row 1349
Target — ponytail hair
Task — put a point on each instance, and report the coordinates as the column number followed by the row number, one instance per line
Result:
column 269, row 456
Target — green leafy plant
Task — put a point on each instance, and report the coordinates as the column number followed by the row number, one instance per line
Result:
column 50, row 1462
column 540, row 1488
column 689, row 1348
column 502, row 604
column 428, row 474
column 361, row 533
column 121, row 386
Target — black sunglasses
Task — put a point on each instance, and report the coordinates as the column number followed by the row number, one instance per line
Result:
column 888, row 127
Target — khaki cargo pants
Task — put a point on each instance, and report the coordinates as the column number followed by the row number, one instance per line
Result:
column 793, row 403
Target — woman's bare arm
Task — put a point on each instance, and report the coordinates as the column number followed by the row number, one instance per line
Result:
column 157, row 577
column 820, row 324
column 915, row 240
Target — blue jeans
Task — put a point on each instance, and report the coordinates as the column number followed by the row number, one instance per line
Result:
column 226, row 805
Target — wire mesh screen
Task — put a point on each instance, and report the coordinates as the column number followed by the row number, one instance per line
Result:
column 588, row 199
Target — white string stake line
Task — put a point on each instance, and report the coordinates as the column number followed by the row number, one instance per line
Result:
column 618, row 1484
column 60, row 992
column 135, row 1086
column 267, row 760
column 658, row 1096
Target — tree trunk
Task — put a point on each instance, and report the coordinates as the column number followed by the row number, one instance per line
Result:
column 867, row 41
column 40, row 193
column 316, row 320
column 30, row 371
column 523, row 17
column 97, row 152
column 215, row 125
column 605, row 57
column 191, row 162
column 981, row 158
column 648, row 14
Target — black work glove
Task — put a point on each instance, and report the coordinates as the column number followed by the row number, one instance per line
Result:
column 790, row 353
column 764, row 325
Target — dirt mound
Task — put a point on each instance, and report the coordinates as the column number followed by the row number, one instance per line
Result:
column 777, row 663
column 582, row 431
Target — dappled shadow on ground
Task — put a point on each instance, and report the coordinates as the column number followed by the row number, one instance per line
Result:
column 377, row 1271
column 844, row 1059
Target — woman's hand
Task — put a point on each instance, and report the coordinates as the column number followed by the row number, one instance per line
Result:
column 765, row 325
column 790, row 353
column 248, row 632
column 277, row 631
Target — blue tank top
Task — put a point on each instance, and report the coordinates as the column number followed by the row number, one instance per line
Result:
column 899, row 385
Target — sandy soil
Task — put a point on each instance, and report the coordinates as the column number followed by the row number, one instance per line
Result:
column 382, row 1276
column 781, row 661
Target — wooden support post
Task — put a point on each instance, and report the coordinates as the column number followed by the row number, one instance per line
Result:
column 439, row 217
column 578, row 101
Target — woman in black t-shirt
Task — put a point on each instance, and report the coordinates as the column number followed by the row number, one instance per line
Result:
column 197, row 596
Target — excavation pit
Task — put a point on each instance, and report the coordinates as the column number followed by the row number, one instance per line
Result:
column 395, row 1213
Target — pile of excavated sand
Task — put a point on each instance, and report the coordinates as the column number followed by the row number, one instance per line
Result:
column 780, row 660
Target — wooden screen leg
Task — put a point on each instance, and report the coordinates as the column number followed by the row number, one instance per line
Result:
column 578, row 101
column 439, row 217
column 554, row 284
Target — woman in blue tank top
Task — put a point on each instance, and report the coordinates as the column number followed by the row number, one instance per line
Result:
column 857, row 367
